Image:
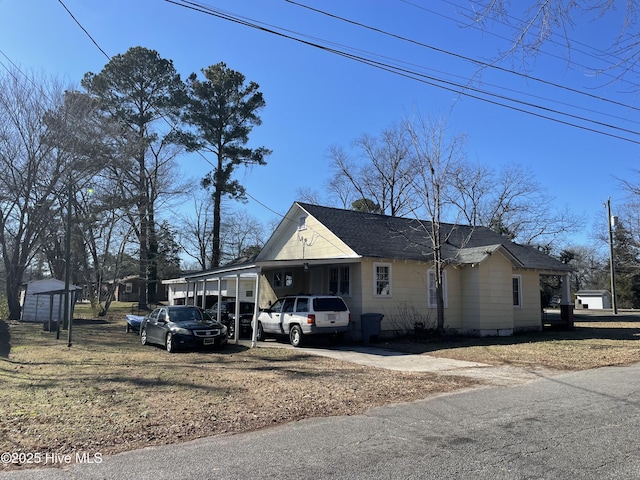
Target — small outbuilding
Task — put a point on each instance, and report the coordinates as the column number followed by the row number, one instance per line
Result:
column 43, row 300
column 593, row 299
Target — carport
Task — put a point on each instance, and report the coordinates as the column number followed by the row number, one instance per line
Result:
column 198, row 284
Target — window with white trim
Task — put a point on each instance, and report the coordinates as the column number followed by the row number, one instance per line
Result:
column 382, row 279
column 432, row 289
column 517, row 290
column 339, row 283
column 302, row 222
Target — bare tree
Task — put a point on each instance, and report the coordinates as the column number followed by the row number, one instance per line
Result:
column 537, row 22
column 242, row 236
column 439, row 159
column 510, row 201
column 196, row 234
column 380, row 170
column 239, row 233
column 519, row 208
column 33, row 173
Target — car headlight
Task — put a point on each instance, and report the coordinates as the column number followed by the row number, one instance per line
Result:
column 181, row 331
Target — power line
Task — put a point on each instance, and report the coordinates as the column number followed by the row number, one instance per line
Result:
column 84, row 30
column 462, row 57
column 572, row 41
column 433, row 81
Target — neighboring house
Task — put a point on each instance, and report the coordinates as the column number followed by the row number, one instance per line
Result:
column 593, row 299
column 128, row 289
column 43, row 300
column 382, row 264
column 207, row 291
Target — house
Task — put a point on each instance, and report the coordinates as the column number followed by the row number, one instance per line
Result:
column 43, row 300
column 593, row 299
column 382, row 264
column 128, row 288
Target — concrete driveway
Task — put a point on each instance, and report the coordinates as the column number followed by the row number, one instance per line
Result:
column 378, row 357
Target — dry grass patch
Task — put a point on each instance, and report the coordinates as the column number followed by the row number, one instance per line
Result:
column 595, row 341
column 107, row 393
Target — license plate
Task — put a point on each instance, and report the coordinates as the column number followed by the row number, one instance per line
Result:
column 209, row 341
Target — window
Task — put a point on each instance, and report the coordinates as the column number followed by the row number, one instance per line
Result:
column 287, row 306
column 128, row 287
column 302, row 305
column 288, row 279
column 432, row 300
column 517, row 291
column 339, row 280
column 382, row 279
column 302, row 222
column 282, row 279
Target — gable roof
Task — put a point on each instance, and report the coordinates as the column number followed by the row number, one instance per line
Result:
column 382, row 236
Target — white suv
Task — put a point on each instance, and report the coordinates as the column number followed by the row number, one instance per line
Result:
column 302, row 315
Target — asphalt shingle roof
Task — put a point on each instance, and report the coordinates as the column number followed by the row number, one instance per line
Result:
column 383, row 236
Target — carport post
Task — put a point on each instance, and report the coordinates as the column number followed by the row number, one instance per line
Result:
column 204, row 293
column 256, row 311
column 236, row 320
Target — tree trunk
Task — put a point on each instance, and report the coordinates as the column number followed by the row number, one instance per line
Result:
column 13, row 295
column 217, row 206
column 152, row 267
column 143, row 205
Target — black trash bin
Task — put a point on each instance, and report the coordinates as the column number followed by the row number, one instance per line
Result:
column 370, row 323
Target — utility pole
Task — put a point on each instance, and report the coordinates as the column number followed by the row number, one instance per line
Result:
column 68, row 316
column 612, row 268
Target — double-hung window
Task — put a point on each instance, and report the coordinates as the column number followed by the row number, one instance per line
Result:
column 432, row 289
column 517, row 290
column 382, row 279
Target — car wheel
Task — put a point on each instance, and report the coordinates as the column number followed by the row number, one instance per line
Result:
column 143, row 336
column 171, row 347
column 127, row 328
column 295, row 336
column 260, row 332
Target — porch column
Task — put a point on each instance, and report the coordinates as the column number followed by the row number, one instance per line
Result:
column 566, row 307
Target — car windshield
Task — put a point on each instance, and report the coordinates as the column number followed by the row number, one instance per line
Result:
column 186, row 314
column 329, row 304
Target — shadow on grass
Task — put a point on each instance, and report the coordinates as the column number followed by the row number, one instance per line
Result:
column 5, row 340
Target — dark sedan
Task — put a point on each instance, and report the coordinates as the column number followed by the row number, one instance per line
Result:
column 182, row 327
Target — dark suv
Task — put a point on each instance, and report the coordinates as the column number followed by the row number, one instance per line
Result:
column 228, row 317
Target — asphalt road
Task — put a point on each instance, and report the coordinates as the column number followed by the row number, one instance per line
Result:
column 582, row 425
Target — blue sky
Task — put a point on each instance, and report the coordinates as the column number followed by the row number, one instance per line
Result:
column 316, row 98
